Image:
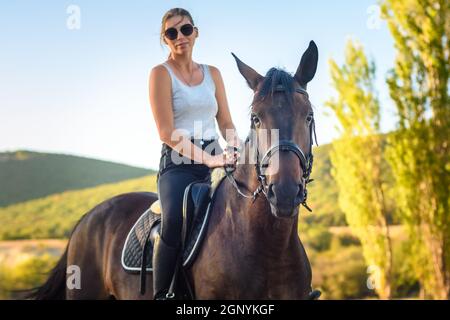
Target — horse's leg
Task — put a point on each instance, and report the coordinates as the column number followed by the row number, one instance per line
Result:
column 85, row 260
column 125, row 286
column 92, row 257
column 121, row 218
column 96, row 247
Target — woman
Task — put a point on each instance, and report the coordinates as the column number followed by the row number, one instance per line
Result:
column 186, row 99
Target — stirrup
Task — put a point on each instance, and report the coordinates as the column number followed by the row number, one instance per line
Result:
column 170, row 296
column 165, row 295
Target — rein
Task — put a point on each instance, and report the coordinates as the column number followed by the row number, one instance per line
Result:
column 306, row 161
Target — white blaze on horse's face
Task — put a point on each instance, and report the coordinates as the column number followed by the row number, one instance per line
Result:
column 281, row 103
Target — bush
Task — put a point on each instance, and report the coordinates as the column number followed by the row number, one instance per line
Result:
column 318, row 238
column 340, row 273
column 27, row 274
column 348, row 240
column 404, row 279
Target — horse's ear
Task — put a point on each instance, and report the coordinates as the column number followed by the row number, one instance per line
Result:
column 308, row 65
column 253, row 78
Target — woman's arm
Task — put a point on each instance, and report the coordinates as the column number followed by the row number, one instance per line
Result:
column 223, row 116
column 160, row 94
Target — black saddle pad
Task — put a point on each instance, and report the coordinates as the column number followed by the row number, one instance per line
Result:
column 134, row 244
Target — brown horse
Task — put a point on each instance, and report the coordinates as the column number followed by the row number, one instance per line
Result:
column 251, row 249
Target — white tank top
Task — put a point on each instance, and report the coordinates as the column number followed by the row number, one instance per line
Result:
column 195, row 107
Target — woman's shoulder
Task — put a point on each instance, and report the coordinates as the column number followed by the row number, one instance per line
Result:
column 159, row 68
column 214, row 71
column 160, row 71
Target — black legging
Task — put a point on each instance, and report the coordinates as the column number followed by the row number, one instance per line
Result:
column 172, row 179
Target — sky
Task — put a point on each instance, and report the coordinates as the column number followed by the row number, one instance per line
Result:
column 74, row 74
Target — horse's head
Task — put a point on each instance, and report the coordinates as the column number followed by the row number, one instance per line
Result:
column 282, row 123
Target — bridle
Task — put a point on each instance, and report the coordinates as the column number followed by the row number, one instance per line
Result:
column 306, row 160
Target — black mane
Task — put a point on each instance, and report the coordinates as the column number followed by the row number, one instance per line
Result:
column 272, row 80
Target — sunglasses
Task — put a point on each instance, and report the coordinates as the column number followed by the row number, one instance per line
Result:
column 185, row 29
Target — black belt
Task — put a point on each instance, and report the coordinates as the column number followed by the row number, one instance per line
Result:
column 202, row 143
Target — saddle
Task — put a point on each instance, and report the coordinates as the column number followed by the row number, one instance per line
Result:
column 198, row 199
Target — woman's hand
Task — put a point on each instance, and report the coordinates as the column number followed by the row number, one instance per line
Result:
column 222, row 160
column 232, row 153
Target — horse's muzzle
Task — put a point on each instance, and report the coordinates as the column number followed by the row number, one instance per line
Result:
column 285, row 198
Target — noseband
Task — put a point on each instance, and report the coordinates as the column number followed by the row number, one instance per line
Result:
column 306, row 161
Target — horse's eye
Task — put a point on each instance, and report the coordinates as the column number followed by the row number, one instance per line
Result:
column 309, row 118
column 256, row 120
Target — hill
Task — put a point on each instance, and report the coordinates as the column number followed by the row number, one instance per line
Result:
column 55, row 216
column 26, row 175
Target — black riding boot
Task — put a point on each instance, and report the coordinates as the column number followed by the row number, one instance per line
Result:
column 164, row 261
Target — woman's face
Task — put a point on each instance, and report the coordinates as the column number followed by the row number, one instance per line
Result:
column 182, row 43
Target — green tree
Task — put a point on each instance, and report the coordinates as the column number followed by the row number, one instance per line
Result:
column 419, row 149
column 357, row 158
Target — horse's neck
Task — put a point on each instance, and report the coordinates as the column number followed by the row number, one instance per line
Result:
column 254, row 222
